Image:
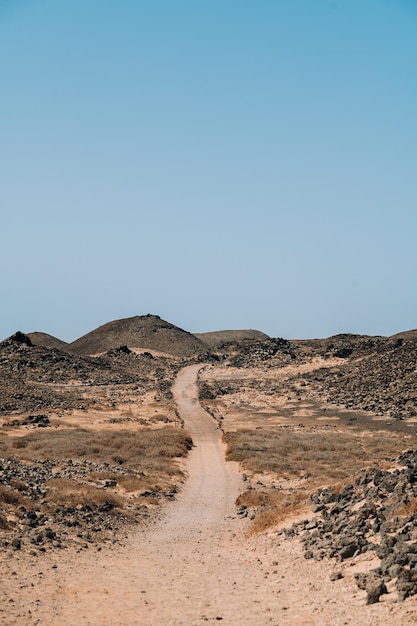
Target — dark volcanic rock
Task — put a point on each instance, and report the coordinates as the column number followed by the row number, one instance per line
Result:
column 118, row 351
column 271, row 352
column 382, row 380
column 376, row 513
column 20, row 337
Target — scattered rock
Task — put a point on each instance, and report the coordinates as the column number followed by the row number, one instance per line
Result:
column 375, row 514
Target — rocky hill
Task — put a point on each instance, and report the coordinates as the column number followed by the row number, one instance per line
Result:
column 149, row 332
column 220, row 338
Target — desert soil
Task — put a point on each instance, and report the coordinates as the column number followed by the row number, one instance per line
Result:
column 194, row 565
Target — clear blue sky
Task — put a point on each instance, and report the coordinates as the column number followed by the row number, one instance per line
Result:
column 220, row 163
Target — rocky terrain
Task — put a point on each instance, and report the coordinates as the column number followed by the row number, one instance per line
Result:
column 52, row 495
column 376, row 513
column 28, row 520
column 323, row 429
column 59, row 483
column 34, row 378
column 406, row 334
column 381, row 378
column 296, row 414
column 373, row 374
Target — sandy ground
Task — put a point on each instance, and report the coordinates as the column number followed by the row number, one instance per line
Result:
column 193, row 566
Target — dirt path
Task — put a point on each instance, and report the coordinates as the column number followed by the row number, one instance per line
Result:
column 193, row 567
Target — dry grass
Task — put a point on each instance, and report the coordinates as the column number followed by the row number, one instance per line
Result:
column 20, row 485
column 130, row 449
column 10, row 500
column 272, row 506
column 323, row 457
column 71, row 493
column 11, row 496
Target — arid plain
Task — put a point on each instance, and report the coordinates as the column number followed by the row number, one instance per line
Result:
column 151, row 476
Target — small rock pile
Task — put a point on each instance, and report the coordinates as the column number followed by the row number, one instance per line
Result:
column 376, row 513
column 271, row 353
column 40, row 421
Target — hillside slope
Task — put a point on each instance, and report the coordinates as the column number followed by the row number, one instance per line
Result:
column 218, row 338
column 47, row 341
column 406, row 334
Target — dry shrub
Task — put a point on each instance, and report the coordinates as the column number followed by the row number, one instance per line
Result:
column 408, row 509
column 10, row 501
column 131, row 483
column 272, row 506
column 252, row 498
column 70, row 493
column 19, row 443
column 19, row 485
column 11, row 496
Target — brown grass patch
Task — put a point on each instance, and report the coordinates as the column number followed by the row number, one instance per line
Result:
column 4, row 524
column 325, row 457
column 19, row 485
column 10, row 500
column 131, row 483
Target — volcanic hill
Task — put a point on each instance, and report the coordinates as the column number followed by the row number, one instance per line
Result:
column 149, row 332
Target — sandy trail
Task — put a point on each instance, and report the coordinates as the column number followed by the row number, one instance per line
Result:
column 192, row 567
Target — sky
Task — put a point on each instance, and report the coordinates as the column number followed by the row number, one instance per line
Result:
column 223, row 164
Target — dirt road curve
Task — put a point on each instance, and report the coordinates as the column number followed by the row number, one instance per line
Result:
column 194, row 567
